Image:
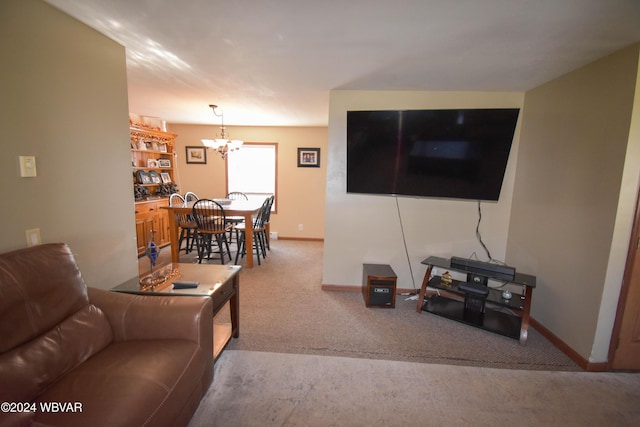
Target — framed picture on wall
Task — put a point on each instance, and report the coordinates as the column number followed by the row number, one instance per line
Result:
column 196, row 155
column 308, row 157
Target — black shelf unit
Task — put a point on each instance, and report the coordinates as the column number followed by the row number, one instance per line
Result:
column 508, row 317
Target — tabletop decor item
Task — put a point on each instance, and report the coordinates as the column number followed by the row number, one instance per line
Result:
column 152, row 252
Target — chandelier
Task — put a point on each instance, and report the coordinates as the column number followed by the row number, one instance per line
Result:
column 222, row 145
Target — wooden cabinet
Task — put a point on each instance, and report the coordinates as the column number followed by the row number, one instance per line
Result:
column 152, row 162
column 150, row 217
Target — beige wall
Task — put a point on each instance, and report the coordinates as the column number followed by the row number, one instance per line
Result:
column 64, row 101
column 369, row 229
column 301, row 191
column 567, row 198
column 621, row 232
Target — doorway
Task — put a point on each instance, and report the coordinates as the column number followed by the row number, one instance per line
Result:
column 624, row 350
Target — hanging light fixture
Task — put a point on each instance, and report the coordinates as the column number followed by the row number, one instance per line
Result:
column 222, row 145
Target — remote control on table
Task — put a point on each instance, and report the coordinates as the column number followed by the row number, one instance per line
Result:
column 185, row 285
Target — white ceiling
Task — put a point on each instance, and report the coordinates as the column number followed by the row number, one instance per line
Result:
column 274, row 62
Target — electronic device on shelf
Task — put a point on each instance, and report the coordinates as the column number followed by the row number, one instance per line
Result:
column 497, row 271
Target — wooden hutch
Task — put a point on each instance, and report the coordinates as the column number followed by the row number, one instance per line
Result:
column 153, row 163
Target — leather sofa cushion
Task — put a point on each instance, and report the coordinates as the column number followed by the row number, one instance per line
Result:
column 41, row 286
column 30, row 369
column 129, row 383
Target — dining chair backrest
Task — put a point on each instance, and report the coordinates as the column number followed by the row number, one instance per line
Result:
column 209, row 216
column 268, row 210
column 186, row 224
column 183, row 220
column 176, row 199
column 190, row 196
column 259, row 220
column 237, row 195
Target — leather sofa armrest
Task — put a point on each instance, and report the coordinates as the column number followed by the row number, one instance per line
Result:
column 134, row 317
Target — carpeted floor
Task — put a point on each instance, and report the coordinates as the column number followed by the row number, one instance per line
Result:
column 284, row 310
column 307, row 357
column 274, row 389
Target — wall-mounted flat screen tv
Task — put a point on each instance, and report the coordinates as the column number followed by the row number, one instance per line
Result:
column 458, row 154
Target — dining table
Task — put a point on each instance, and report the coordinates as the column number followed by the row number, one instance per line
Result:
column 243, row 208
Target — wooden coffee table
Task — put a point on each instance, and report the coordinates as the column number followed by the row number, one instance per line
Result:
column 219, row 282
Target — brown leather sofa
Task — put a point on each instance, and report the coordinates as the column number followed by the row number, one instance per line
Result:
column 77, row 356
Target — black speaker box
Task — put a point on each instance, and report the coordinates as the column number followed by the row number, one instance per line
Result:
column 379, row 286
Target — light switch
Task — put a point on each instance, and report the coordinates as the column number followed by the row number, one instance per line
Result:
column 33, row 237
column 27, row 166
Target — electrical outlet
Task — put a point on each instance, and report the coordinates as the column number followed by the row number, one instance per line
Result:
column 300, row 227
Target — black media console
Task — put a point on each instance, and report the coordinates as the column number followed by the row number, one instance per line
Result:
column 472, row 301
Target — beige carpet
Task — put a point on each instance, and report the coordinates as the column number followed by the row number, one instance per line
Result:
column 284, row 310
column 274, row 389
column 307, row 357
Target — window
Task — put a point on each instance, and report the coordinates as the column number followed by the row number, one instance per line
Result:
column 252, row 170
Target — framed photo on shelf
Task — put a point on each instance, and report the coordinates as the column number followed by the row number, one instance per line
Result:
column 166, row 178
column 152, row 163
column 143, row 177
column 196, row 155
column 164, row 163
column 308, row 157
column 155, row 177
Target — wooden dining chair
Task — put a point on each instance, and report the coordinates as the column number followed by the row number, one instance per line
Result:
column 235, row 220
column 190, row 196
column 186, row 223
column 267, row 218
column 212, row 227
column 237, row 195
column 175, row 198
column 257, row 228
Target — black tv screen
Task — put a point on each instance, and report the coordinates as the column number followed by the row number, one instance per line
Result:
column 459, row 154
